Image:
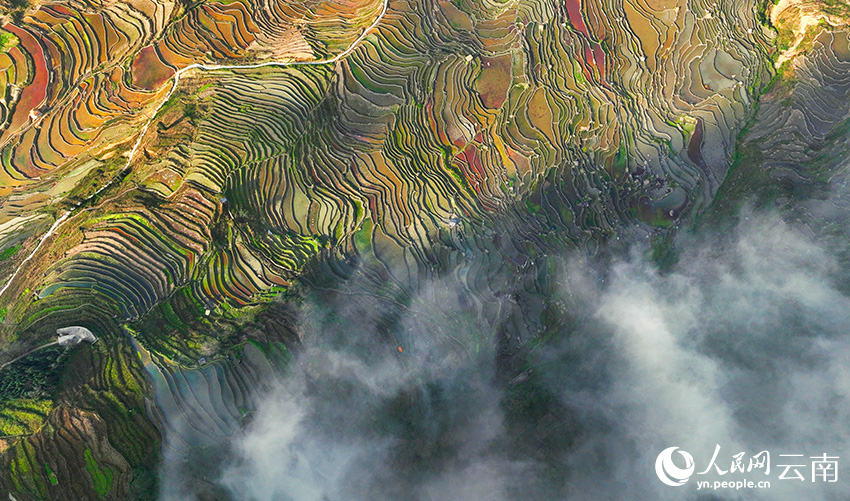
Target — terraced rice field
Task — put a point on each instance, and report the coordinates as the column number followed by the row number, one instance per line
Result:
column 179, row 171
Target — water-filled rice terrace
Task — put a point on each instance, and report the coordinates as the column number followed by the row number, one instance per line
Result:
column 178, row 176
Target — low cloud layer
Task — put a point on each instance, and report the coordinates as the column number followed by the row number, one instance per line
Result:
column 743, row 344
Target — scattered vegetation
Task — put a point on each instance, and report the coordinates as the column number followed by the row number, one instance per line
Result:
column 22, row 416
column 102, row 478
column 10, row 251
column 50, row 475
column 7, row 41
column 35, row 377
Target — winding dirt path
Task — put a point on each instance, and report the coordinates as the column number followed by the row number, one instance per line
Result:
column 10, row 362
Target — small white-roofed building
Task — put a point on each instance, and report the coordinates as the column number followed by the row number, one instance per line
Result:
column 69, row 336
